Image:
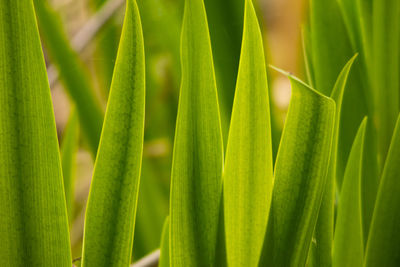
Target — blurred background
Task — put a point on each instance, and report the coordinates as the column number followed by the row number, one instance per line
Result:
column 92, row 30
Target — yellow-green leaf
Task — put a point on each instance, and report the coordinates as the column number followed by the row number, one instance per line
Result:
column 198, row 150
column 69, row 148
column 33, row 216
column 300, row 175
column 322, row 247
column 348, row 246
column 111, row 209
column 383, row 247
column 248, row 172
column 164, row 246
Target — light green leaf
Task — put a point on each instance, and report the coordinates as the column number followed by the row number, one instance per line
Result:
column 33, row 216
column 69, row 148
column 322, row 247
column 348, row 246
column 72, row 73
column 164, row 246
column 383, row 247
column 300, row 175
column 248, row 172
column 198, row 150
column 111, row 209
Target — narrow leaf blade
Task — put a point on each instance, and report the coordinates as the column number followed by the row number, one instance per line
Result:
column 348, row 247
column 164, row 246
column 69, row 148
column 383, row 247
column 111, row 209
column 322, row 247
column 33, row 217
column 248, row 172
column 198, row 150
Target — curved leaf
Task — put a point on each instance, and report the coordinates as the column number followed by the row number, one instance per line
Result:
column 348, row 246
column 322, row 247
column 111, row 209
column 383, row 247
column 300, row 174
column 248, row 172
column 33, row 217
column 198, row 150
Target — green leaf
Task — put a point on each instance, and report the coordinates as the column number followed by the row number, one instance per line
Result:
column 331, row 49
column 300, row 175
column 69, row 148
column 164, row 246
column 33, row 224
column 226, row 26
column 72, row 73
column 383, row 245
column 111, row 209
column 198, row 149
column 248, row 171
column 322, row 247
column 152, row 208
column 307, row 54
column 348, row 246
column 329, row 41
column 385, row 69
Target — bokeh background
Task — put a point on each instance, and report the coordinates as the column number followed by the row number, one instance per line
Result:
column 281, row 22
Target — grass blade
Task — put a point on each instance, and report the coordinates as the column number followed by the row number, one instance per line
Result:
column 72, row 73
column 383, row 247
column 111, row 210
column 348, row 247
column 198, row 149
column 69, row 148
column 322, row 247
column 300, row 174
column 164, row 247
column 33, row 224
column 248, row 173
